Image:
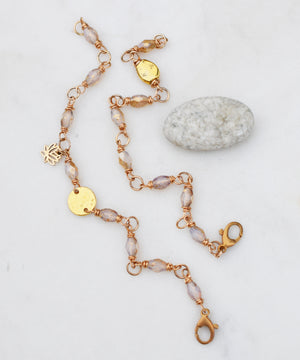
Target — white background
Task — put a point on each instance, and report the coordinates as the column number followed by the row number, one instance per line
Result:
column 65, row 292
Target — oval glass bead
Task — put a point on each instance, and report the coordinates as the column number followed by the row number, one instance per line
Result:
column 132, row 246
column 108, row 215
column 197, row 234
column 125, row 160
column 67, row 118
column 93, row 77
column 90, row 35
column 71, row 170
column 193, row 291
column 186, row 197
column 138, row 101
column 161, row 182
column 117, row 116
column 146, row 46
column 147, row 71
column 157, row 265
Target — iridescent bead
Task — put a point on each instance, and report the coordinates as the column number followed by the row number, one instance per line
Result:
column 146, row 46
column 67, row 118
column 139, row 101
column 194, row 291
column 71, row 170
column 117, row 116
column 108, row 215
column 93, row 77
column 132, row 246
column 186, row 197
column 90, row 35
column 197, row 234
column 125, row 160
column 157, row 265
column 161, row 182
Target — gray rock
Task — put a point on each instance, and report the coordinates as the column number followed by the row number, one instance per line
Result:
column 209, row 123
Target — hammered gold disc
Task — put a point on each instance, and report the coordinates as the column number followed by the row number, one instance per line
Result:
column 147, row 71
column 81, row 200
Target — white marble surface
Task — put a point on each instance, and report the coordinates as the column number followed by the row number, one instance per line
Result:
column 65, row 293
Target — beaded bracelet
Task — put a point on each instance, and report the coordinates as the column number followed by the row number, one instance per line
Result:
column 82, row 200
column 149, row 73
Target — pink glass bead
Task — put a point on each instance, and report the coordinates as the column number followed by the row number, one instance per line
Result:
column 108, row 215
column 146, row 46
column 197, row 234
column 132, row 246
column 194, row 291
column 71, row 170
column 90, row 35
column 157, row 265
column 125, row 160
column 93, row 77
column 186, row 197
column 139, row 101
column 117, row 116
column 67, row 118
column 161, row 182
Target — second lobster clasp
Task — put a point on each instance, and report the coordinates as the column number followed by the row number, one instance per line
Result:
column 227, row 241
column 205, row 322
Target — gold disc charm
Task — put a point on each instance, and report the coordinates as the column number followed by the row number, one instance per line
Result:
column 81, row 201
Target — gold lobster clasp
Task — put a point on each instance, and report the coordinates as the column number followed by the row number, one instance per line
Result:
column 205, row 321
column 227, row 241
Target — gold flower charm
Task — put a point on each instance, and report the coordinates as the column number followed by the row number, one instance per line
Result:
column 51, row 154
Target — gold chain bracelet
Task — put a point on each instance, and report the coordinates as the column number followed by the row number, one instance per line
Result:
column 149, row 73
column 82, row 200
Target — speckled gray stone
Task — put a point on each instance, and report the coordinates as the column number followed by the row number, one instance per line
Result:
column 209, row 123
